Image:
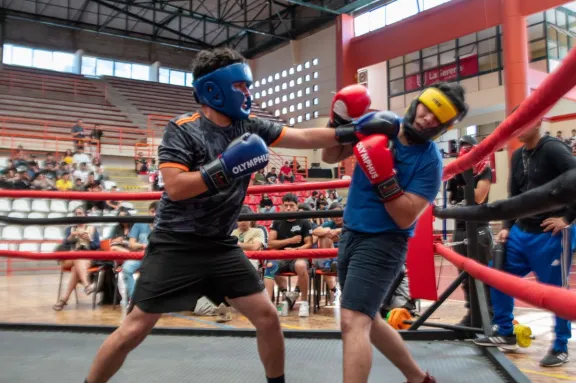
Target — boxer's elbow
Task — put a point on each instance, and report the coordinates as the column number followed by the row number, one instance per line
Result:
column 336, row 154
column 180, row 185
column 406, row 209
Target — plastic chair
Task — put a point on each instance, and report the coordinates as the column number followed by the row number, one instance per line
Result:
column 12, row 232
column 74, row 204
column 5, row 205
column 17, row 215
column 21, row 205
column 36, row 215
column 56, row 215
column 54, row 233
column 33, row 233
column 58, row 206
column 41, row 205
column 33, row 247
column 48, row 247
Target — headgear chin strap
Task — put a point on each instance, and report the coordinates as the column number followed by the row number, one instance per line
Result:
column 447, row 110
column 216, row 90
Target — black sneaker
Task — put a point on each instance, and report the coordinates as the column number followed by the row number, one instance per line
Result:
column 554, row 359
column 503, row 342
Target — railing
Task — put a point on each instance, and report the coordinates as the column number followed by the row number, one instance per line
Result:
column 80, row 89
column 60, row 131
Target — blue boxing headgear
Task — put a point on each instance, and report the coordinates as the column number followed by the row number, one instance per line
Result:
column 216, row 90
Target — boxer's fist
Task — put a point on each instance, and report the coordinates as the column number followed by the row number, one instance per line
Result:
column 377, row 161
column 386, row 123
column 349, row 103
column 245, row 155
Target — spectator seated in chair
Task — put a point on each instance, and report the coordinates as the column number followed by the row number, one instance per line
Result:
column 266, row 204
column 293, row 234
column 138, row 242
column 81, row 237
column 286, row 173
column 328, row 238
column 260, row 178
column 271, row 176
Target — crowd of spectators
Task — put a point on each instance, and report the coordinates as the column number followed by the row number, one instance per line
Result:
column 53, row 171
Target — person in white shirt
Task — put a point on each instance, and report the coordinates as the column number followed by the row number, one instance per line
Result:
column 82, row 172
column 80, row 157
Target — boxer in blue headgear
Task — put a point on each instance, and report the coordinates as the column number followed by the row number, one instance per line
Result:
column 223, row 90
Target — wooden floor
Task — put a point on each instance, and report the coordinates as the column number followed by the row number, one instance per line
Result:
column 29, row 298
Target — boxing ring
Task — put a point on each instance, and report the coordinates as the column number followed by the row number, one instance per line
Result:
column 36, row 350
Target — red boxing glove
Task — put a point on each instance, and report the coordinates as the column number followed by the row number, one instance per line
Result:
column 377, row 162
column 350, row 102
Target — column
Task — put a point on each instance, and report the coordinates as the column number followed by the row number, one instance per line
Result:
column 345, row 69
column 154, row 71
column 77, row 65
column 515, row 55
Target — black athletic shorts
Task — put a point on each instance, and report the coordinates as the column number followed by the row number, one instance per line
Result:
column 179, row 268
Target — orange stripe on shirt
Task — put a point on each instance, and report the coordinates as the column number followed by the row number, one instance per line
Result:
column 173, row 165
column 282, row 134
column 184, row 120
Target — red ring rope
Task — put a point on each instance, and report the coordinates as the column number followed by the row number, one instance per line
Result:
column 148, row 196
column 530, row 111
column 120, row 256
column 558, row 300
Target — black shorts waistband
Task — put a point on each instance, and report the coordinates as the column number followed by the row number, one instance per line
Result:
column 202, row 243
column 389, row 234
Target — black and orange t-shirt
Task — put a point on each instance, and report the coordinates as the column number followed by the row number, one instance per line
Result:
column 190, row 141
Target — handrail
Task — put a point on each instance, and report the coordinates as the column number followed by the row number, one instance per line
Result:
column 58, row 124
column 48, row 142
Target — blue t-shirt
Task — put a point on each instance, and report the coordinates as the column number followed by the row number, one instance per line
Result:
column 419, row 171
column 140, row 231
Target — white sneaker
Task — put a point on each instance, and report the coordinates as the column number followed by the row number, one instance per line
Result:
column 224, row 313
column 291, row 297
column 336, row 295
column 304, row 310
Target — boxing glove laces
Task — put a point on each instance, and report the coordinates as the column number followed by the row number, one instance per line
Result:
column 376, row 159
column 244, row 156
column 385, row 123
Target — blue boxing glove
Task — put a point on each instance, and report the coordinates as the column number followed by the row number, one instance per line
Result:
column 386, row 123
column 244, row 156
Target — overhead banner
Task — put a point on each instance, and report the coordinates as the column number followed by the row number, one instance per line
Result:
column 468, row 67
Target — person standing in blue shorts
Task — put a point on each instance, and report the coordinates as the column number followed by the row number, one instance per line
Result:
column 394, row 181
column 541, row 243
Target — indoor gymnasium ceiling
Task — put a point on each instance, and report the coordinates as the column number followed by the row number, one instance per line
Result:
column 251, row 26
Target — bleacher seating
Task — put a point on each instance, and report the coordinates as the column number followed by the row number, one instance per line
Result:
column 165, row 99
column 27, row 109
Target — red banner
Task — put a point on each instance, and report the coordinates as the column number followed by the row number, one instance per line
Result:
column 468, row 67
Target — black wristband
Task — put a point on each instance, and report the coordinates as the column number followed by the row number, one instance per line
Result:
column 214, row 175
column 388, row 190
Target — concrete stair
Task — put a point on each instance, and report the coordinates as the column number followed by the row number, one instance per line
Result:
column 128, row 181
column 118, row 100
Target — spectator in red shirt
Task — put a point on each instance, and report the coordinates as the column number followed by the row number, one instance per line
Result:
column 286, row 172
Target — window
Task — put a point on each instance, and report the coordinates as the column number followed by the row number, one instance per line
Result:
column 315, row 88
column 535, row 18
column 307, row 91
column 487, row 46
column 468, row 39
column 397, row 86
column 299, row 106
column 284, row 98
column 291, row 71
column 277, row 76
column 291, row 96
column 316, row 114
column 257, row 84
column 307, row 103
column 263, row 106
column 257, row 95
column 277, row 100
column 537, row 49
column 291, row 83
column 123, row 70
column 362, row 24
column 263, row 81
column 277, row 112
column 299, row 93
column 284, row 86
column 142, row 72
column 163, row 74
column 284, row 73
column 89, row 66
column 299, row 80
column 307, row 64
column 264, row 93
column 270, row 79
column 316, row 101
column 536, row 32
column 299, row 68
column 315, row 74
column 399, row 10
column 471, row 130
column 270, row 91
column 377, row 19
column 292, row 121
column 189, row 77
column 428, row 4
column 291, row 108
column 277, row 88
column 307, row 77
column 486, row 33
column 104, row 68
column 427, row 63
column 299, row 118
column 315, row 62
column 430, row 51
column 412, row 67
column 447, row 57
column 284, row 110
column 177, row 77
column 307, row 116
column 42, row 59
column 488, row 62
